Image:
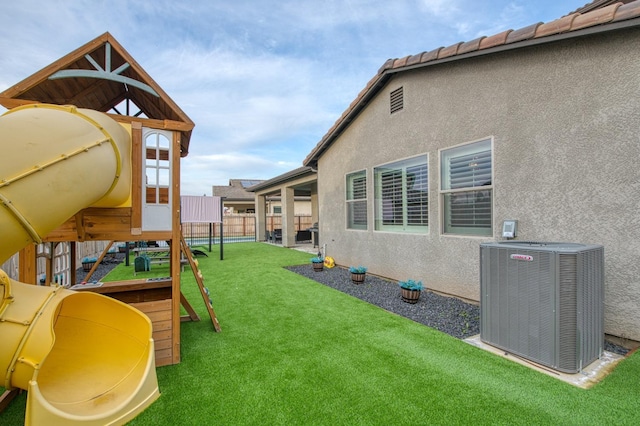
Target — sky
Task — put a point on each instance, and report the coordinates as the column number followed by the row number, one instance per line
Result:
column 263, row 80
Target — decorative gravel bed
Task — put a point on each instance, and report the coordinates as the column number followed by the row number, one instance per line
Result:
column 447, row 314
column 108, row 263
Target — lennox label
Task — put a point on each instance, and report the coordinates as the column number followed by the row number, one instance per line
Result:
column 524, row 257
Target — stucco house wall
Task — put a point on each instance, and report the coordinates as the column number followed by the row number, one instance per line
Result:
column 564, row 119
column 301, row 207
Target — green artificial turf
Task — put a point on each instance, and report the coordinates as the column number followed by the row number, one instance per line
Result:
column 293, row 351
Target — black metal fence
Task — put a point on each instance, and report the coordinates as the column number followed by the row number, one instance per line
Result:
column 235, row 229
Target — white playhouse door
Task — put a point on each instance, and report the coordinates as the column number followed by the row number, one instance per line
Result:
column 156, row 201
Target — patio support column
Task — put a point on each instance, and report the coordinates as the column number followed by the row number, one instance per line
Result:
column 288, row 217
column 261, row 217
column 314, row 204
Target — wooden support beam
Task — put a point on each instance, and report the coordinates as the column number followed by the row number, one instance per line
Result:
column 95, row 265
column 80, row 225
column 27, row 264
column 193, row 315
column 7, row 397
column 73, row 253
column 11, row 103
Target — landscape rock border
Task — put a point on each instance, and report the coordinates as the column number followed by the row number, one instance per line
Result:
column 448, row 314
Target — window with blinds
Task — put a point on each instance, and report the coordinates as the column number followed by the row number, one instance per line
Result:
column 466, row 187
column 357, row 200
column 402, row 196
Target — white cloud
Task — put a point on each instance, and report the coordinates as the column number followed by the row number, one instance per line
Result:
column 445, row 9
column 263, row 81
column 204, row 171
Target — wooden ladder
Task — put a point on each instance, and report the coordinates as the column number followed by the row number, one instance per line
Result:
column 200, row 280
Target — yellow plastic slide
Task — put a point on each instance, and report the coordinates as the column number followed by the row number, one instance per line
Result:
column 83, row 358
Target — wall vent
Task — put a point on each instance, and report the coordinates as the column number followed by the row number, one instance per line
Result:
column 543, row 301
column 396, row 100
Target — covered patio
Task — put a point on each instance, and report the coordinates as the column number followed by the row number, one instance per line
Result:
column 300, row 182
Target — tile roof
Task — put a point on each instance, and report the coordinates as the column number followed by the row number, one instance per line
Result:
column 236, row 190
column 71, row 80
column 278, row 180
column 601, row 15
column 596, row 4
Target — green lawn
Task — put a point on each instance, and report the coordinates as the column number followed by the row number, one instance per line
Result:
column 293, row 351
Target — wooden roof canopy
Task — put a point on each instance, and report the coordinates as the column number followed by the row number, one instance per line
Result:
column 101, row 75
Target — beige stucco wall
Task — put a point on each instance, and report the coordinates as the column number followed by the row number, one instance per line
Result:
column 300, row 207
column 565, row 123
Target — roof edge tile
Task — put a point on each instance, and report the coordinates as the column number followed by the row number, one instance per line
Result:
column 432, row 55
column 449, row 51
column 415, row 59
column 387, row 65
column 470, row 46
column 627, row 11
column 399, row 63
column 596, row 17
column 494, row 40
column 560, row 25
column 522, row 34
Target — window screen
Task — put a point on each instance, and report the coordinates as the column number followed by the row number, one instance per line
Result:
column 357, row 200
column 466, row 179
column 402, row 196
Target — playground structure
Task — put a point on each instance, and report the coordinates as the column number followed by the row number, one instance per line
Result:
column 88, row 173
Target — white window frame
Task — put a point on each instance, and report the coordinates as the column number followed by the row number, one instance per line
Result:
column 401, row 213
column 477, row 184
column 157, row 173
column 356, row 198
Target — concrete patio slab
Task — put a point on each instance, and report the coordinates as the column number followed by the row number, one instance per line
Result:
column 586, row 378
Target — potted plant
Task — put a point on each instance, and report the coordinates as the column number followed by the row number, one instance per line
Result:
column 112, row 253
column 88, row 262
column 357, row 274
column 410, row 290
column 318, row 263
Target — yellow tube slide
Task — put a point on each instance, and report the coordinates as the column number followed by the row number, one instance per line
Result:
column 55, row 162
column 84, row 358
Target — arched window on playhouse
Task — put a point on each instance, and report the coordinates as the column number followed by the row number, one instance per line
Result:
column 157, row 184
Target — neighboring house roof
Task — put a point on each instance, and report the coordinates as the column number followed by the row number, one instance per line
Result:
column 236, row 190
column 596, row 19
column 101, row 75
column 291, row 175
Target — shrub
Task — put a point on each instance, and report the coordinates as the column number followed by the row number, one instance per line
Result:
column 410, row 285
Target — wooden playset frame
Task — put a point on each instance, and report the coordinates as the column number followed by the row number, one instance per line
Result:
column 102, row 76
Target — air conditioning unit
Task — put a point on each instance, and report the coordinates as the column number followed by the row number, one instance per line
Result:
column 543, row 301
